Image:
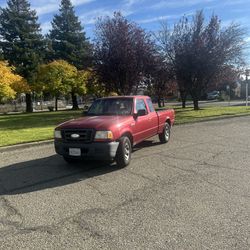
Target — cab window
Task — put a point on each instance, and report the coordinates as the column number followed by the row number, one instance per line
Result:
column 140, row 104
column 150, row 105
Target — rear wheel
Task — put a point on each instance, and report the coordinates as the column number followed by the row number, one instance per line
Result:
column 165, row 135
column 123, row 154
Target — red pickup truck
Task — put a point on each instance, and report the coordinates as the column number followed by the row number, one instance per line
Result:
column 111, row 127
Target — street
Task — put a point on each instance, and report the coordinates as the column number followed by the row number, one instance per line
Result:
column 192, row 193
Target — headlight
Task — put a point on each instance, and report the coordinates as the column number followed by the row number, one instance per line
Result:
column 57, row 134
column 103, row 135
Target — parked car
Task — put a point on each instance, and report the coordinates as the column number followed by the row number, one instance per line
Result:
column 213, row 95
column 111, row 127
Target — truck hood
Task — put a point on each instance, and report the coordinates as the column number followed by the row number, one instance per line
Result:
column 95, row 122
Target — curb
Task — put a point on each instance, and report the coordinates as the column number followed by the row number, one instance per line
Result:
column 25, row 145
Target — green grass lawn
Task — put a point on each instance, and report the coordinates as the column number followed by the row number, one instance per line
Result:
column 20, row 128
column 209, row 113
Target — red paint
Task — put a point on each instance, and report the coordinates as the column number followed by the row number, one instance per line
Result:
column 140, row 128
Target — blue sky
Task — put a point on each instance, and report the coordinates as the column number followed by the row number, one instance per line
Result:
column 146, row 13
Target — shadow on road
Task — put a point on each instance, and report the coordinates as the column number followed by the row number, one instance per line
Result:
column 146, row 144
column 53, row 171
column 47, row 173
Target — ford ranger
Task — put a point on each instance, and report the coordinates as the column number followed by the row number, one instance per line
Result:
column 110, row 128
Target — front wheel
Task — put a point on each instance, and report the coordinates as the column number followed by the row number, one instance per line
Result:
column 165, row 135
column 123, row 154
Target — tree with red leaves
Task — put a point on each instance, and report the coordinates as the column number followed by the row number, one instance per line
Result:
column 200, row 52
column 124, row 54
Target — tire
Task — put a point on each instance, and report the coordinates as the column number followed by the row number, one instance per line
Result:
column 165, row 135
column 123, row 154
column 70, row 160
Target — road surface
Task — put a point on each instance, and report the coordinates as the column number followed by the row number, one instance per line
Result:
column 193, row 193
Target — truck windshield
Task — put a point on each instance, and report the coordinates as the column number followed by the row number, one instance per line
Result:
column 112, row 106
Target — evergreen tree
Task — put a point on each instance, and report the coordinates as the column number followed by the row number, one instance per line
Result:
column 21, row 40
column 68, row 40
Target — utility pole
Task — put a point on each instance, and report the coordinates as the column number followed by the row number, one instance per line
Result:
column 247, row 73
column 229, row 94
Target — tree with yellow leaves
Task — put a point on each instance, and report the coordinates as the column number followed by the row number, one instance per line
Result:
column 10, row 83
column 57, row 78
column 93, row 83
column 61, row 78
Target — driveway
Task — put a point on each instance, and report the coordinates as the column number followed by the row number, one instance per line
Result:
column 193, row 193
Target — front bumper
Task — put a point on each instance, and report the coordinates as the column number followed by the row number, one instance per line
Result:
column 94, row 151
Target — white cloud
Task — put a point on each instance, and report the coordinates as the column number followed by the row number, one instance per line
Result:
column 163, row 18
column 126, row 8
column 45, row 27
column 88, row 17
column 177, row 4
column 91, row 17
column 235, row 2
column 157, row 19
column 241, row 20
column 130, row 3
column 247, row 39
column 48, row 6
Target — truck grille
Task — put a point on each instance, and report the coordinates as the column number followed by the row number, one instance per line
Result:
column 84, row 135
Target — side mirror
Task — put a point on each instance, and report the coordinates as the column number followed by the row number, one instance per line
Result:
column 140, row 112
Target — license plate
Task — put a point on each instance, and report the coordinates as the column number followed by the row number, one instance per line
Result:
column 75, row 151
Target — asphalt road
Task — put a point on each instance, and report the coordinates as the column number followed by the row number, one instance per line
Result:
column 193, row 193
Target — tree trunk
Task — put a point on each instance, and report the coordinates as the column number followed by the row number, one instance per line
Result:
column 56, row 103
column 159, row 102
column 74, row 101
column 183, row 95
column 163, row 103
column 196, row 104
column 195, row 93
column 41, row 103
column 29, row 105
column 183, row 104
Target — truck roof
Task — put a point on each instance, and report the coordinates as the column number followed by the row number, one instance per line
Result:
column 126, row 96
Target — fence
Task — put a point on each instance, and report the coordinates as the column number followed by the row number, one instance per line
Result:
column 18, row 107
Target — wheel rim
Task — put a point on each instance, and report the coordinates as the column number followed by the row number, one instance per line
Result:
column 167, row 134
column 126, row 151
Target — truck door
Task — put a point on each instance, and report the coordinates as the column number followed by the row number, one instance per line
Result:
column 153, row 119
column 142, row 126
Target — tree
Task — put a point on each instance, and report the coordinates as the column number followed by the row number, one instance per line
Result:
column 21, row 41
column 229, row 76
column 9, row 82
column 93, row 83
column 161, row 80
column 199, row 51
column 123, row 54
column 78, row 86
column 1, row 54
column 68, row 40
column 57, row 78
